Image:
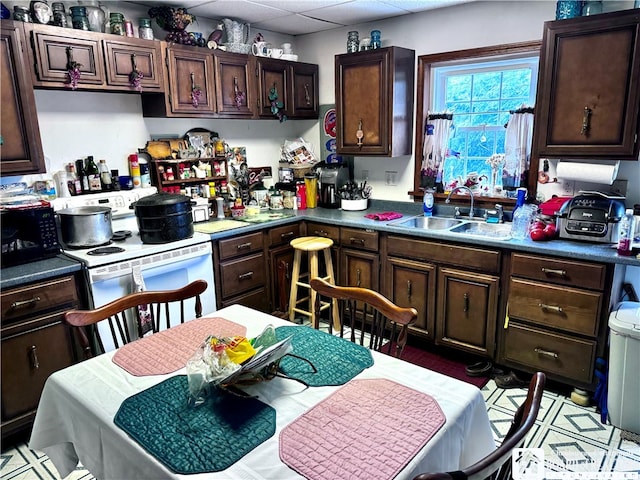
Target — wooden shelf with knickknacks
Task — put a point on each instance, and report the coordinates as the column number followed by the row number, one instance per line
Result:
column 192, row 166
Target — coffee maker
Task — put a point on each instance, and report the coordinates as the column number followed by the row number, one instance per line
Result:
column 331, row 178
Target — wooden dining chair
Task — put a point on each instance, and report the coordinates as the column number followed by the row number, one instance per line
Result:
column 366, row 313
column 497, row 465
column 122, row 315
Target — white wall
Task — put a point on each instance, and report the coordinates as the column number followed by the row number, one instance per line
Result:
column 110, row 126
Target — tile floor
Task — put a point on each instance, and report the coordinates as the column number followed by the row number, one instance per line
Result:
column 572, row 437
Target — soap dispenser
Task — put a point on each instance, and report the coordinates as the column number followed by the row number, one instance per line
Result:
column 427, row 205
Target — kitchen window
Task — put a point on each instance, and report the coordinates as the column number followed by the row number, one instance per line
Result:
column 480, row 86
column 480, row 94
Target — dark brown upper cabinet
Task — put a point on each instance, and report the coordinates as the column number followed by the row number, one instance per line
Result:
column 235, row 90
column 273, row 75
column 124, row 56
column 588, row 99
column 304, row 95
column 374, row 102
column 20, row 144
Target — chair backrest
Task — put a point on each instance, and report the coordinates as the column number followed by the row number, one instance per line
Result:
column 374, row 316
column 497, row 465
column 123, row 315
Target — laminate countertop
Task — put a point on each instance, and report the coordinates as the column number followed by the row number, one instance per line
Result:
column 38, row 271
column 597, row 252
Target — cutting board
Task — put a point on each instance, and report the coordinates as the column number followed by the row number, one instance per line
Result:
column 217, row 226
column 266, row 217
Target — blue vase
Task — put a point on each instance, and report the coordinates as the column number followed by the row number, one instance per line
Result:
column 568, row 9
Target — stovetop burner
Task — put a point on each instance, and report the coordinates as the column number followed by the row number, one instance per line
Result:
column 105, row 251
column 121, row 235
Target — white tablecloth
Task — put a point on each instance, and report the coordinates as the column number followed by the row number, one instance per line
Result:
column 74, row 421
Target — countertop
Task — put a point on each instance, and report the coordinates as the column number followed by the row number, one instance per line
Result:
column 597, row 252
column 38, row 271
column 605, row 253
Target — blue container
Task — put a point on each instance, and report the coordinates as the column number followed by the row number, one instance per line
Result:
column 375, row 39
column 568, row 9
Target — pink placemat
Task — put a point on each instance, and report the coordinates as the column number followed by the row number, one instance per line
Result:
column 168, row 351
column 368, row 429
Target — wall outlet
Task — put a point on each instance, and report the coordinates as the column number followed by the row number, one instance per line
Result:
column 390, row 178
column 568, row 187
column 365, row 174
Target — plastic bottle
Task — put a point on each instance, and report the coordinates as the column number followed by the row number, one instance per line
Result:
column 105, row 176
column 521, row 222
column 145, row 177
column 93, row 175
column 427, row 204
column 625, row 233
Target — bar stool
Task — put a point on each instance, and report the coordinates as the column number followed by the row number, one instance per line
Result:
column 311, row 245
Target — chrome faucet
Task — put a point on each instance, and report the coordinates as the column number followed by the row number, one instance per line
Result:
column 461, row 187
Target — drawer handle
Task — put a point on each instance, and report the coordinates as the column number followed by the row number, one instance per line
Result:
column 465, row 298
column 244, row 246
column 409, row 290
column 552, row 271
column 33, row 353
column 358, row 241
column 546, row 353
column 286, row 234
column 553, row 308
column 244, row 276
column 358, row 278
column 322, row 233
column 25, row 303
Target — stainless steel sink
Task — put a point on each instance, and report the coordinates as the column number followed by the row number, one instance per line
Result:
column 427, row 223
column 491, row 230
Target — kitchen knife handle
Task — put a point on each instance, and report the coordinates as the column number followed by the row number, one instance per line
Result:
column 546, row 353
column 561, row 273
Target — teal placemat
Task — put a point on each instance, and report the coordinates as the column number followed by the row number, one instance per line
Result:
column 207, row 438
column 336, row 359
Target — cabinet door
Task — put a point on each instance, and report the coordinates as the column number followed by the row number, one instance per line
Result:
column 273, row 74
column 413, row 284
column 54, row 50
column 304, row 96
column 234, row 85
column 374, row 102
column 589, row 87
column 191, row 70
column 281, row 265
column 360, row 269
column 467, row 309
column 123, row 57
column 20, row 144
column 28, row 358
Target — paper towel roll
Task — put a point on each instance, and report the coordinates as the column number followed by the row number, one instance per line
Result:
column 587, row 172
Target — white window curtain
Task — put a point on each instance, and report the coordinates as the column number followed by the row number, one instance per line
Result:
column 517, row 146
column 435, row 147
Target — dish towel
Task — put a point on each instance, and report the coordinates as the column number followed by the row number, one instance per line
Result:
column 385, row 216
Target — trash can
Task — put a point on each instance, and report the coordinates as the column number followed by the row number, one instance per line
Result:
column 624, row 361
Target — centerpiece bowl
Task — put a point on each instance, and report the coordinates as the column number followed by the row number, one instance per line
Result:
column 171, row 19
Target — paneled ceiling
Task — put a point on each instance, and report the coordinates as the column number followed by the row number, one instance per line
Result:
column 299, row 17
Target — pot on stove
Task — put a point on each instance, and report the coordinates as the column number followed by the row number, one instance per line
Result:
column 164, row 217
column 85, row 227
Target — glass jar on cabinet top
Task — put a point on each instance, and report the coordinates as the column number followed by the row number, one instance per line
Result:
column 353, row 42
column 116, row 21
column 375, row 39
column 95, row 14
column 79, row 18
column 144, row 29
column 59, row 15
column 568, row 9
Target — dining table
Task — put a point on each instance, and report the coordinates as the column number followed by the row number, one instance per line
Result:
column 116, row 413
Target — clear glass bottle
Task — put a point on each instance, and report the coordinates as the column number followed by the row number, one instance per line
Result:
column 353, row 42
column 82, row 175
column 626, row 230
column 105, row 176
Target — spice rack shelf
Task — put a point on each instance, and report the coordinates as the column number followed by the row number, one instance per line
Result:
column 171, row 175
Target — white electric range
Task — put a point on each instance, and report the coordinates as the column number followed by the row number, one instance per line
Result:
column 161, row 266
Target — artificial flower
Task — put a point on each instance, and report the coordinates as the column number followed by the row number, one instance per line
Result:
column 196, row 93
column 135, row 79
column 73, row 74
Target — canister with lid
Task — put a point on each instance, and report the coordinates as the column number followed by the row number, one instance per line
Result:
column 353, row 42
column 375, row 39
column 144, row 30
column 79, row 18
column 59, row 15
column 116, row 20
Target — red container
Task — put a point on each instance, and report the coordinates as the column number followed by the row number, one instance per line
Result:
column 552, row 206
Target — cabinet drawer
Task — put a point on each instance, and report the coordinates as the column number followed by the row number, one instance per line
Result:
column 356, row 238
column 39, row 297
column 242, row 245
column 564, row 308
column 257, row 299
column 322, row 230
column 562, row 272
column 550, row 352
column 243, row 274
column 27, row 361
column 283, row 235
column 486, row 260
